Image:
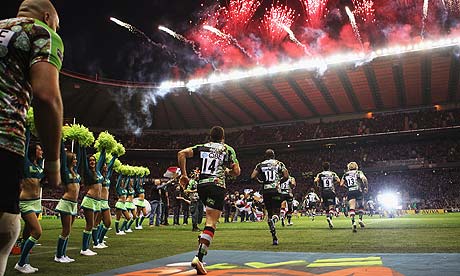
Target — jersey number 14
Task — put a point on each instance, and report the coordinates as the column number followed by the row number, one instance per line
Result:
column 209, row 166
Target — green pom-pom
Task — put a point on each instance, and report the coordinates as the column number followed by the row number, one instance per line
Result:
column 116, row 165
column 79, row 133
column 119, row 150
column 105, row 141
column 147, row 172
column 108, row 157
column 30, row 123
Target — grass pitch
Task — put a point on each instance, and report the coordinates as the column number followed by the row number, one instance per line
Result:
column 408, row 234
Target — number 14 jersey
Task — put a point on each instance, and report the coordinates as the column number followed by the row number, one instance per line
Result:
column 214, row 157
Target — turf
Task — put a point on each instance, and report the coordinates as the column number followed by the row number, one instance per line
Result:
column 407, row 234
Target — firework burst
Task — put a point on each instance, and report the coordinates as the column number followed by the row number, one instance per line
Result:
column 274, row 20
column 364, row 9
column 315, row 11
column 238, row 15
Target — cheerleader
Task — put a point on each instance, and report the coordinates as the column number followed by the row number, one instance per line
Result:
column 140, row 204
column 130, row 207
column 67, row 206
column 91, row 201
column 30, row 203
column 104, row 215
column 120, row 206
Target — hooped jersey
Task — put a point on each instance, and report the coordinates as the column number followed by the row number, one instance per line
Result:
column 270, row 174
column 354, row 180
column 327, row 180
column 214, row 157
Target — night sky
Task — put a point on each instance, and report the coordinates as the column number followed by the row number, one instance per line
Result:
column 95, row 45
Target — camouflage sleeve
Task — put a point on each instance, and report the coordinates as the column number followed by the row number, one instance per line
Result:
column 232, row 155
column 282, row 167
column 46, row 45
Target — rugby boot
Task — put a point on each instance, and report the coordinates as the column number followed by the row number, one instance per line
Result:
column 199, row 266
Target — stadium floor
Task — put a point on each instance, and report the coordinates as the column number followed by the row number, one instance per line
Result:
column 225, row 262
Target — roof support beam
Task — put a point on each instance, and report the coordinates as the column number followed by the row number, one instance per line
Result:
column 256, row 99
column 346, row 84
column 281, row 100
column 426, row 79
column 200, row 113
column 374, row 86
column 240, row 106
column 399, row 83
column 302, row 96
column 222, row 109
column 454, row 77
column 178, row 113
column 205, row 104
column 162, row 101
column 326, row 94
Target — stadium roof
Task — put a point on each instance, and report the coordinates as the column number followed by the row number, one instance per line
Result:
column 410, row 80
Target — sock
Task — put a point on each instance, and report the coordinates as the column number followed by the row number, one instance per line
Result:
column 99, row 230
column 28, row 244
column 137, row 222
column 360, row 214
column 205, row 241
column 102, row 233
column 85, row 242
column 141, row 221
column 117, row 226
column 289, row 217
column 130, row 222
column 60, row 246
column 95, row 236
column 271, row 226
column 123, row 225
column 282, row 214
column 352, row 215
column 64, row 249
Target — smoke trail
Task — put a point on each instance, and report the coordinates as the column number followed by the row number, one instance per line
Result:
column 354, row 26
column 229, row 38
column 424, row 16
column 294, row 39
column 187, row 41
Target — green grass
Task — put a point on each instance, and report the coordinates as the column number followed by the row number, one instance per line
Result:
column 408, row 234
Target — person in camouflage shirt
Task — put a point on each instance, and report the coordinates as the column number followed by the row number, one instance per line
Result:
column 217, row 161
column 30, row 59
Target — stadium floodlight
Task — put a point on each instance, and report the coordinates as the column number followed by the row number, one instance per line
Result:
column 319, row 64
column 390, row 201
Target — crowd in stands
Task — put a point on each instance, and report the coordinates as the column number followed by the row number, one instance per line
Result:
column 378, row 123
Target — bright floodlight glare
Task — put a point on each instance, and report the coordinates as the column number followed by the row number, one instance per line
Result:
column 389, row 201
column 319, row 63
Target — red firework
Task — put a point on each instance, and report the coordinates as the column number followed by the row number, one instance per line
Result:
column 272, row 24
column 315, row 11
column 238, row 14
column 364, row 9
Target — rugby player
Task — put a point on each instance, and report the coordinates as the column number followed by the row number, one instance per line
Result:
column 217, row 161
